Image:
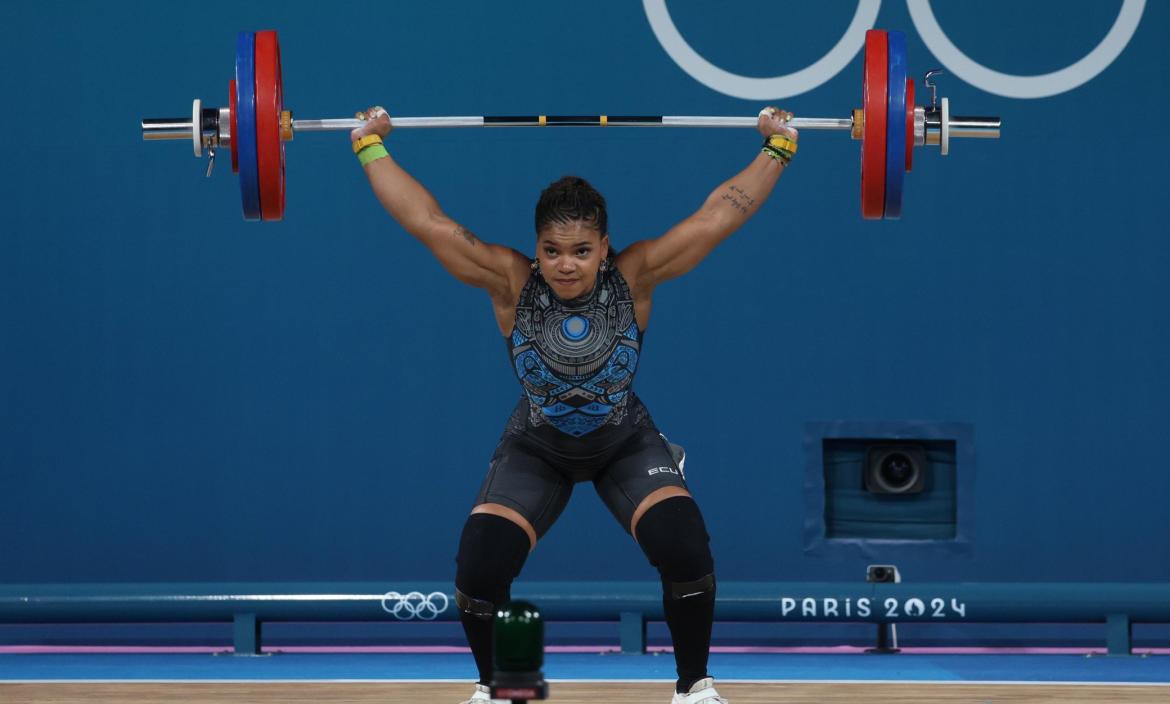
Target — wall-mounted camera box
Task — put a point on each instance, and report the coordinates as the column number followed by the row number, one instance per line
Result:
column 888, row 484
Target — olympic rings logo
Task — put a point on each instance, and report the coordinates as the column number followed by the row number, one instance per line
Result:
column 829, row 65
column 405, row 607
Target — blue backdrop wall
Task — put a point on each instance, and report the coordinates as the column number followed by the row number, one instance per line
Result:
column 185, row 396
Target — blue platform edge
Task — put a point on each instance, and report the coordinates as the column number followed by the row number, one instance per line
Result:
column 588, row 666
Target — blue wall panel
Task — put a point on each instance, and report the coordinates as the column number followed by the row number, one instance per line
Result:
column 185, row 396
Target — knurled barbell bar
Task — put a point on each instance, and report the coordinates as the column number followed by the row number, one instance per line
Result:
column 255, row 124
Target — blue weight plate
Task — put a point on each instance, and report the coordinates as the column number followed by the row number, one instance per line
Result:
column 896, row 124
column 245, row 135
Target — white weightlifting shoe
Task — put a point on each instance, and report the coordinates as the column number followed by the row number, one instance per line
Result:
column 702, row 692
column 482, row 696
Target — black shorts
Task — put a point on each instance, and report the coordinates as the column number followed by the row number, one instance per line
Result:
column 537, row 481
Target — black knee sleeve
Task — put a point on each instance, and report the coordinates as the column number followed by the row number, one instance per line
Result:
column 491, row 552
column 675, row 540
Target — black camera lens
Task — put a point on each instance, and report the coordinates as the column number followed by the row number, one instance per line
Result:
column 895, row 469
column 898, row 470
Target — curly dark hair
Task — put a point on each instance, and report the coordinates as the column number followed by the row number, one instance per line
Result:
column 569, row 199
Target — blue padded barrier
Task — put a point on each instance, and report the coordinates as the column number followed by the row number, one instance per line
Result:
column 1119, row 605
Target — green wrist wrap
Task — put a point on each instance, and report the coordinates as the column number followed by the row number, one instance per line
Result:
column 372, row 153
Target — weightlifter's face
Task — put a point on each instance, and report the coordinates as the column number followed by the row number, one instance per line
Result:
column 570, row 255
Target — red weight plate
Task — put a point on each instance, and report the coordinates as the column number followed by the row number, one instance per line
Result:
column 269, row 149
column 909, row 123
column 279, row 113
column 873, row 141
column 235, row 132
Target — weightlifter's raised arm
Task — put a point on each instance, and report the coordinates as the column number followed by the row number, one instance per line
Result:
column 648, row 263
column 461, row 253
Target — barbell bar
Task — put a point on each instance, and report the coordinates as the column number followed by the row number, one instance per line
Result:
column 256, row 125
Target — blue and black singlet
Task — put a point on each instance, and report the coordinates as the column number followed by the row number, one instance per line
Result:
column 578, row 418
column 576, row 361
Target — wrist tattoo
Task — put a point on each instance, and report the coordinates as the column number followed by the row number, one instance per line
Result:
column 466, row 234
column 739, row 199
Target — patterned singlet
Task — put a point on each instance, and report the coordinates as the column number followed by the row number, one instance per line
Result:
column 576, row 359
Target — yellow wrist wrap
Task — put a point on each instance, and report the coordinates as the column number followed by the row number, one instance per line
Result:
column 360, row 144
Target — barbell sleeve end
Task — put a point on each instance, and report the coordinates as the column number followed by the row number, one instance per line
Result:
column 166, row 128
column 975, row 127
column 960, row 126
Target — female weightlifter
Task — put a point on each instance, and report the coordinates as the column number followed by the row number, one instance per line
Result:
column 573, row 320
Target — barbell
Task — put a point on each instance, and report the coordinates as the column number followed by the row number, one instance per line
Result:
column 255, row 125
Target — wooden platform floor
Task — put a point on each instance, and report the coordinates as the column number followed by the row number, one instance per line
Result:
column 572, row 693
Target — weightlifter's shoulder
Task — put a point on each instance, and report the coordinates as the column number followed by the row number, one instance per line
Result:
column 513, row 269
column 632, row 263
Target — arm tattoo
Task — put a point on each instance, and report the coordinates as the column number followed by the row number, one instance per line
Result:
column 739, row 199
column 466, row 234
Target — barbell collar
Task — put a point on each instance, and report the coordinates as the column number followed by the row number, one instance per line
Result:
column 197, row 127
column 225, row 127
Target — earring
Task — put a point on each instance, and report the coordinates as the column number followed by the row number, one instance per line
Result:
column 535, row 265
column 604, row 265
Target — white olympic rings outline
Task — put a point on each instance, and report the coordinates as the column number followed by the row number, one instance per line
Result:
column 1013, row 86
column 829, row 65
column 412, row 605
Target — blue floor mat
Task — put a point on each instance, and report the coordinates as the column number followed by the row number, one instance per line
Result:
column 565, row 666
